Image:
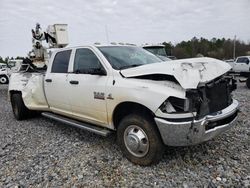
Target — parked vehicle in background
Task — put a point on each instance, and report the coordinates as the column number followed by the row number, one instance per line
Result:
column 7, row 69
column 172, row 57
column 3, row 65
column 4, row 77
column 159, row 51
column 241, row 65
column 163, row 58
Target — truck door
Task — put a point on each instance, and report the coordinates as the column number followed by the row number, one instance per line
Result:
column 241, row 64
column 56, row 82
column 87, row 86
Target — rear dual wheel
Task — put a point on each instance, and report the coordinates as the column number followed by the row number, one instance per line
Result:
column 20, row 111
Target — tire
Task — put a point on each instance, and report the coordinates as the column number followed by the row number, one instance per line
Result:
column 20, row 111
column 4, row 79
column 151, row 147
column 248, row 82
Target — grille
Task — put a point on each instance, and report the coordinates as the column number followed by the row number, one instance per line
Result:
column 218, row 95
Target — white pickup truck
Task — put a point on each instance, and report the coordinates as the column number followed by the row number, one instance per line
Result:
column 126, row 89
column 241, row 65
column 4, row 77
column 7, row 69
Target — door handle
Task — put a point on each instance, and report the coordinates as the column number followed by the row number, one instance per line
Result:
column 74, row 82
column 48, row 80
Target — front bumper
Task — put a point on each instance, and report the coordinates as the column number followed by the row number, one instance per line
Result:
column 197, row 131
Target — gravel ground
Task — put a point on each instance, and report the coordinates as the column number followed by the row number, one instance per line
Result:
column 44, row 153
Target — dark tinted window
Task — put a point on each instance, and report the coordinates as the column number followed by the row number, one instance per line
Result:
column 61, row 62
column 156, row 50
column 86, row 61
column 243, row 60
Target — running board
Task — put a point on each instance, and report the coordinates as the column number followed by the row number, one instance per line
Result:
column 98, row 130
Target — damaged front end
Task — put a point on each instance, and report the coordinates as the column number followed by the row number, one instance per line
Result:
column 206, row 112
column 212, row 96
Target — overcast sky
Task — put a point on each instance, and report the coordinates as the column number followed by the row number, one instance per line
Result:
column 133, row 21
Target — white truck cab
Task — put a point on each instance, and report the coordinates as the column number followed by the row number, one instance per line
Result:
column 3, row 73
column 242, row 65
column 130, row 91
column 3, row 66
column 7, row 69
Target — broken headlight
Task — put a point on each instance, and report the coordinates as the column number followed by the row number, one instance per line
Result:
column 174, row 104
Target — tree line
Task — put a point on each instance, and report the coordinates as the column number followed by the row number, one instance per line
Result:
column 216, row 48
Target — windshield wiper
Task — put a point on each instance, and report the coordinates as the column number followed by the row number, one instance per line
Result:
column 130, row 66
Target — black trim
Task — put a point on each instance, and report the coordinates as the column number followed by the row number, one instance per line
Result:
column 224, row 121
column 178, row 119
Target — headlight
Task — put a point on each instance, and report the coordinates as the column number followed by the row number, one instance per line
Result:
column 177, row 105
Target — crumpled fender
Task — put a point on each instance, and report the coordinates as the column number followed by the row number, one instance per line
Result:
column 31, row 87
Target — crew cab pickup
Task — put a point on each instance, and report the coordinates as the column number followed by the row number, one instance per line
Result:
column 7, row 69
column 241, row 65
column 4, row 76
column 130, row 91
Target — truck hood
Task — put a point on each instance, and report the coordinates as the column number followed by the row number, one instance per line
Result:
column 188, row 72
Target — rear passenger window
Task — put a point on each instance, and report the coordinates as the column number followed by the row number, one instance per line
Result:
column 61, row 62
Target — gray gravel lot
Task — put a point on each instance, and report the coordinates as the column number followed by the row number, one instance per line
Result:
column 43, row 153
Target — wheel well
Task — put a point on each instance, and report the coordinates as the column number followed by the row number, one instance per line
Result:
column 3, row 75
column 126, row 108
column 14, row 91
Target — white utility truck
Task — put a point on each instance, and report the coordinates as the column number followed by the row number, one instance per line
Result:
column 159, row 51
column 4, row 77
column 241, row 66
column 128, row 90
column 7, row 69
column 3, row 65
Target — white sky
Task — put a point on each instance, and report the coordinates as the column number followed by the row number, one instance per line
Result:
column 133, row 21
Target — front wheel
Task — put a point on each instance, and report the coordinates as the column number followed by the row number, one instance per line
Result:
column 4, row 79
column 139, row 140
column 20, row 111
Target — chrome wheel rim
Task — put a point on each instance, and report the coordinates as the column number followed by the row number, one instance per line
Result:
column 3, row 80
column 136, row 141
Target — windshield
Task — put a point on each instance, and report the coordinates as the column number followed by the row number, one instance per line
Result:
column 157, row 50
column 122, row 57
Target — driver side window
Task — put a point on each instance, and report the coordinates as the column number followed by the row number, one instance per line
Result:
column 86, row 62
